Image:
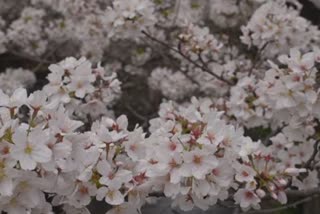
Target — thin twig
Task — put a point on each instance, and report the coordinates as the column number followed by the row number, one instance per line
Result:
column 227, row 204
column 27, row 57
column 48, row 55
column 205, row 69
column 302, row 193
column 135, row 113
column 177, row 11
column 313, row 156
column 157, row 194
column 292, row 205
column 190, row 78
column 256, row 60
column 174, row 61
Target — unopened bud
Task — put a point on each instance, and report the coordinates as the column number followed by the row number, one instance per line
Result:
column 261, row 193
column 271, row 187
column 294, row 171
column 120, row 164
column 282, row 182
column 274, row 195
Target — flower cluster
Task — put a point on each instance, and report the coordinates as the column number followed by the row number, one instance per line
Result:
column 75, row 83
column 293, row 87
column 279, row 26
column 126, row 20
column 198, row 42
column 12, row 79
column 173, row 85
column 204, row 161
column 231, row 13
column 44, row 156
column 24, row 32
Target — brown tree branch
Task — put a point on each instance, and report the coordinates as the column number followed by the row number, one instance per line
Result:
column 256, row 57
column 27, row 57
column 203, row 68
column 292, row 205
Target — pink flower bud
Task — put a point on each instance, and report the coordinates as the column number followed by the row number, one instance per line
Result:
column 274, row 195
column 282, row 182
column 282, row 197
column 261, row 193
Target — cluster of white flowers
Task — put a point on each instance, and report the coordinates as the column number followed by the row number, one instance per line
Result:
column 173, row 85
column 89, row 25
column 291, row 88
column 24, row 32
column 245, row 105
column 250, row 69
column 279, row 26
column 202, row 160
column 190, row 148
column 185, row 157
column 230, row 13
column 14, row 78
column 84, row 90
column 287, row 94
column 127, row 19
column 46, row 157
column 198, row 42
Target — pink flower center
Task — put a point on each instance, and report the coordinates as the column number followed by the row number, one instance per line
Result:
column 111, row 176
column 83, row 190
column 197, row 159
column 153, row 161
column 245, row 174
column 296, row 78
column 133, row 147
column 216, row 172
column 173, row 163
column 172, row 146
column 5, row 150
column 249, row 195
